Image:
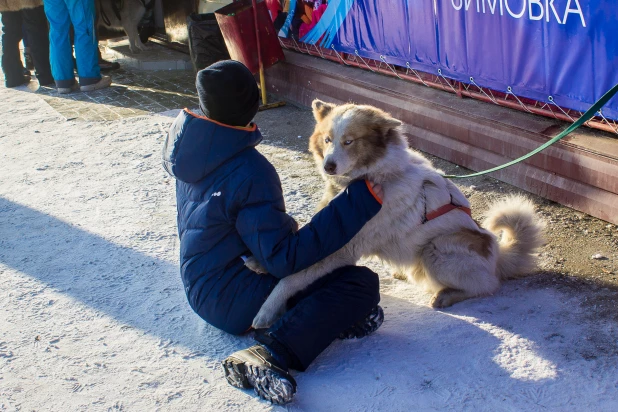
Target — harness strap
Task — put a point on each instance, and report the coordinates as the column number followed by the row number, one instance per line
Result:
column 444, row 210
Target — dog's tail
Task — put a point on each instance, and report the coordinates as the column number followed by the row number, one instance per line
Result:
column 522, row 235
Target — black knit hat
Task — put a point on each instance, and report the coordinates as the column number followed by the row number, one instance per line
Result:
column 228, row 93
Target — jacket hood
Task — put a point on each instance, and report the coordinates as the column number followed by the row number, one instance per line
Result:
column 196, row 145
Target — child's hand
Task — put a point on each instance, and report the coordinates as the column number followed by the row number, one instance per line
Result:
column 377, row 189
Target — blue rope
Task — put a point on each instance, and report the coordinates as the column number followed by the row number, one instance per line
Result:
column 590, row 113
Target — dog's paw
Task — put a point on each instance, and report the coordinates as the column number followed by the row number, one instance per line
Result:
column 447, row 297
column 264, row 319
column 438, row 301
column 135, row 50
column 270, row 311
column 398, row 274
column 252, row 263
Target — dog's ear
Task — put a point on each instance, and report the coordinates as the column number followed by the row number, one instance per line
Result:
column 390, row 123
column 387, row 124
column 321, row 109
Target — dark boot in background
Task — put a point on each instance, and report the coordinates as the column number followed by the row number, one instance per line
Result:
column 106, row 65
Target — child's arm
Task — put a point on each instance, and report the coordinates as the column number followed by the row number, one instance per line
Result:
column 271, row 235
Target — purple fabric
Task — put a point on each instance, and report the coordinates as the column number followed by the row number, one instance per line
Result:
column 567, row 49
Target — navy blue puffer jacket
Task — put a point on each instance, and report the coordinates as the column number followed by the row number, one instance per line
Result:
column 230, row 203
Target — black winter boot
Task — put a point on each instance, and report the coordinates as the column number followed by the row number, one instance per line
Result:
column 256, row 368
column 365, row 327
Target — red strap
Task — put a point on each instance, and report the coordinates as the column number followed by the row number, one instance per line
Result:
column 372, row 192
column 444, row 210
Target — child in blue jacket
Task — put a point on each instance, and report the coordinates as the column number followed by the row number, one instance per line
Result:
column 230, row 204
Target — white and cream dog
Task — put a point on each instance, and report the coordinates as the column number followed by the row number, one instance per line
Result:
column 424, row 229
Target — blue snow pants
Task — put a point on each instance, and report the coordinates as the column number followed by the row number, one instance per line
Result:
column 318, row 314
column 81, row 14
column 315, row 317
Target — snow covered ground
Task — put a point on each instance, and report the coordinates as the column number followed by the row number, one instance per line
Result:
column 93, row 315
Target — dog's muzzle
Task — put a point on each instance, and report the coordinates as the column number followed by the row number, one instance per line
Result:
column 330, row 167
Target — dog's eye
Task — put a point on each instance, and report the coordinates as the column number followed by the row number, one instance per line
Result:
column 327, row 140
column 348, row 142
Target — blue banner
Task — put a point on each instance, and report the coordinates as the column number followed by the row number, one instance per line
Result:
column 566, row 49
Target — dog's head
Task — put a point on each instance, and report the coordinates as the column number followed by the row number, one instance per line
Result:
column 349, row 139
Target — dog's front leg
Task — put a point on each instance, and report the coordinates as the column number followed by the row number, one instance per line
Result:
column 276, row 303
column 330, row 191
column 133, row 39
column 129, row 24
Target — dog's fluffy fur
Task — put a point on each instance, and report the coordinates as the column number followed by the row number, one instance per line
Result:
column 131, row 14
column 451, row 255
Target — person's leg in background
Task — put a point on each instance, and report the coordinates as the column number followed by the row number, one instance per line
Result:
column 104, row 65
column 11, row 60
column 38, row 40
column 86, row 46
column 60, row 50
column 27, row 55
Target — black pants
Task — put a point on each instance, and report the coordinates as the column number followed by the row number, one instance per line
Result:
column 319, row 314
column 35, row 24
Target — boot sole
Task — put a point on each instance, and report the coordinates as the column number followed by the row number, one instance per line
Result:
column 66, row 90
column 236, row 373
column 96, row 86
column 367, row 327
column 267, row 384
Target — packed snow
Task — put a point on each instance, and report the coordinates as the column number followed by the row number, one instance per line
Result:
column 93, row 315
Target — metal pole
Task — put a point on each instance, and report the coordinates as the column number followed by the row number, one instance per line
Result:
column 259, row 53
